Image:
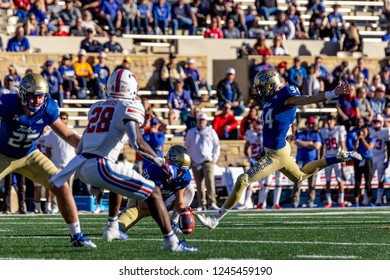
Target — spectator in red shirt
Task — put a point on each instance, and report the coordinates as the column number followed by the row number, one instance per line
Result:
column 261, row 47
column 248, row 121
column 225, row 124
column 214, row 31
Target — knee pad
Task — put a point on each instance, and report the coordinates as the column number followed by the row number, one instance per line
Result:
column 242, row 181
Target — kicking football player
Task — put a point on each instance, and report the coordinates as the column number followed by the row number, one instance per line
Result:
column 23, row 118
column 175, row 189
column 333, row 138
column 279, row 104
column 381, row 153
column 110, row 124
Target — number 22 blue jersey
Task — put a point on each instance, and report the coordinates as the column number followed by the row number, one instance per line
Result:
column 277, row 117
column 18, row 132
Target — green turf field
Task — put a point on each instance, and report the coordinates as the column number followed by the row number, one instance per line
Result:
column 345, row 234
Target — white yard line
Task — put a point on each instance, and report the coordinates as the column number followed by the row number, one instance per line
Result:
column 316, row 214
column 326, row 257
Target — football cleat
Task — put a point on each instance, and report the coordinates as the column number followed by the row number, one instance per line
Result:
column 97, row 210
column 79, row 240
column 345, row 156
column 175, row 227
column 114, row 234
column 211, row 222
column 213, row 206
column 261, row 206
column 277, row 206
column 342, row 205
column 328, row 205
column 181, row 247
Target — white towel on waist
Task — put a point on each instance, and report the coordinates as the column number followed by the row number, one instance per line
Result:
column 61, row 177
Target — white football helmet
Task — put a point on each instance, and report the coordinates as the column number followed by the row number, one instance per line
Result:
column 122, row 84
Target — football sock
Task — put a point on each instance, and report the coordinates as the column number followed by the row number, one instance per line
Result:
column 175, row 216
column 222, row 212
column 379, row 195
column 38, row 206
column 74, row 228
column 277, row 193
column 341, row 197
column 113, row 223
column 171, row 239
column 263, row 194
column 48, row 206
column 248, row 196
column 328, row 198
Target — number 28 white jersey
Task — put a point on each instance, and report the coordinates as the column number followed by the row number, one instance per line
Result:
column 331, row 139
column 255, row 141
column 105, row 133
column 381, row 139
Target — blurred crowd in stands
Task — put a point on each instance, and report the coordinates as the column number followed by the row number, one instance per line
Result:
column 212, row 19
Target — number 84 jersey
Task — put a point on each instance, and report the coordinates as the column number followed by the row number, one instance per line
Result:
column 105, row 133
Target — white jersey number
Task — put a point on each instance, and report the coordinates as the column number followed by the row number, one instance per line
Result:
column 268, row 118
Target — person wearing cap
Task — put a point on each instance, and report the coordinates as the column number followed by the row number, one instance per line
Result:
column 70, row 13
column 337, row 23
column 228, row 91
column 84, row 74
column 156, row 140
column 319, row 27
column 9, row 86
column 179, row 100
column 126, row 64
column 70, row 84
column 183, row 18
column 90, row 44
column 203, row 143
column 381, row 153
column 19, row 42
column 112, row 45
column 297, row 74
column 171, row 72
column 162, row 14
column 364, row 144
column 309, row 143
column 102, row 72
column 12, row 72
column 54, row 80
column 110, row 14
column 378, row 102
column 194, row 81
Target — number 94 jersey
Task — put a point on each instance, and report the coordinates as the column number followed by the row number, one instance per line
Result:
column 277, row 117
column 105, row 133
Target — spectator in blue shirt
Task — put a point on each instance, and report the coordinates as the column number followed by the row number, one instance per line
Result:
column 18, row 43
column 70, row 84
column 308, row 142
column 364, row 145
column 179, row 100
column 193, row 81
column 162, row 16
column 144, row 16
column 183, row 18
column 156, row 140
column 102, row 72
column 110, row 12
column 337, row 23
column 363, row 69
column 297, row 74
column 54, row 80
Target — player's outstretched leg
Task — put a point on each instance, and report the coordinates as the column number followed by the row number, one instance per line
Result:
column 68, row 211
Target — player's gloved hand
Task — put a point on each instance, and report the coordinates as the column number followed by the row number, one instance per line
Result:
column 167, row 170
column 386, row 164
column 159, row 161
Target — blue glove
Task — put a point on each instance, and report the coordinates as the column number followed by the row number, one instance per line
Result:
column 386, row 164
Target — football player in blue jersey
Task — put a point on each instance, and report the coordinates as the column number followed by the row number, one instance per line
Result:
column 279, row 104
column 175, row 188
column 23, row 118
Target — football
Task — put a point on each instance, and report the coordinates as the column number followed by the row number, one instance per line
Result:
column 187, row 221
